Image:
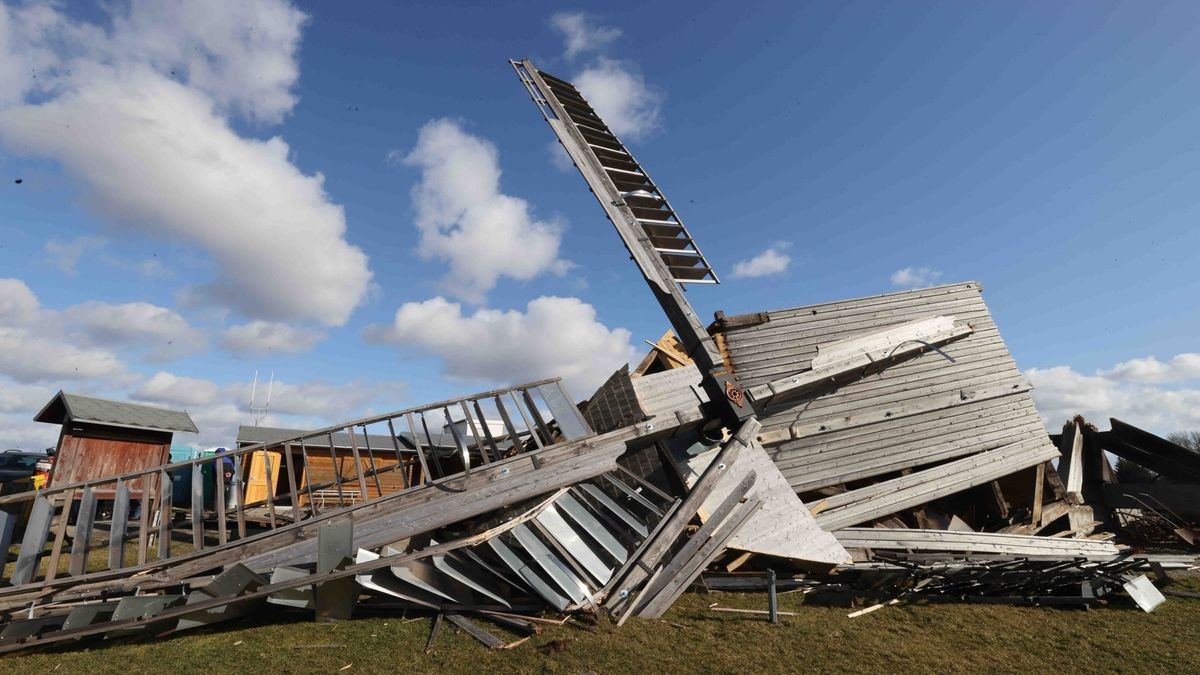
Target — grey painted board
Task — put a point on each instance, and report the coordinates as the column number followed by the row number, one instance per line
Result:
column 33, row 542
column 554, row 568
column 465, row 574
column 86, row 615
column 574, row 544
column 120, row 521
column 8, row 523
column 784, row 526
column 531, row 577
column 335, row 600
column 612, row 507
column 972, row 542
column 300, row 597
column 383, row 581
column 84, row 521
column 565, row 412
column 142, row 607
column 592, row 526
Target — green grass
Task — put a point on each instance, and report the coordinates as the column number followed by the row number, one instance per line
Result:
column 906, row 638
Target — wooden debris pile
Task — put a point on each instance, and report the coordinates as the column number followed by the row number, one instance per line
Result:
column 886, row 443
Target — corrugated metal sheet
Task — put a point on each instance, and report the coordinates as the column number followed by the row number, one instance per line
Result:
column 965, row 398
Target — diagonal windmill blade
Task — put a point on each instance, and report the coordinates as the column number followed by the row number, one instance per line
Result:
column 652, row 231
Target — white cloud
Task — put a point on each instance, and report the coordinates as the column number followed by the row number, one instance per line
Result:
column 1180, row 368
column 240, row 54
column 1125, row 392
column 66, row 255
column 465, row 219
column 138, row 112
column 162, row 333
column 768, row 263
column 175, row 390
column 581, row 33
column 621, row 97
column 79, row 342
column 266, row 337
column 33, row 348
column 915, row 277
column 18, row 304
column 553, row 337
column 28, row 357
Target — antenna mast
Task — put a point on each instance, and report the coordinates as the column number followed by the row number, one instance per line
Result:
column 260, row 413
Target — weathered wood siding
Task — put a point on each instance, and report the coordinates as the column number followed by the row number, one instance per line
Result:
column 87, row 453
column 931, row 408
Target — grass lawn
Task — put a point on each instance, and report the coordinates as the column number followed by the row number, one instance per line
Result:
column 906, row 638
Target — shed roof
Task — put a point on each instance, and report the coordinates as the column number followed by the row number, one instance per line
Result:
column 66, row 407
column 251, row 435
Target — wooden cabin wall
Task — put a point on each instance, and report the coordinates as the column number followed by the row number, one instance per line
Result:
column 86, row 453
column 321, row 470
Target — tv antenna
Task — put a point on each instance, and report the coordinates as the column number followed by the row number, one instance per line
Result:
column 260, row 413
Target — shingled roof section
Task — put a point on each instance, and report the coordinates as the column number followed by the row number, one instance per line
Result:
column 66, row 407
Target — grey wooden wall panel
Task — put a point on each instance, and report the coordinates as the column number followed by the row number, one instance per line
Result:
column 972, row 542
column 932, row 424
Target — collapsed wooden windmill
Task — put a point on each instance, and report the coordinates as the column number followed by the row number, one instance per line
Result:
column 777, row 434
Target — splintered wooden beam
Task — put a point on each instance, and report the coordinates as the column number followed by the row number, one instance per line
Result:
column 870, row 352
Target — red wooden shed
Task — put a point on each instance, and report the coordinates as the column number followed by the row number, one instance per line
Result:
column 102, row 438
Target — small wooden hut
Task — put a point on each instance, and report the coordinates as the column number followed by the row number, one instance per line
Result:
column 102, row 438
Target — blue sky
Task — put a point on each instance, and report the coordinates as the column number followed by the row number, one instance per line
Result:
column 210, row 189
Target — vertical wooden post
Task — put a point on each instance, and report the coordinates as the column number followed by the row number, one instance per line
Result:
column 83, row 533
column 239, row 495
column 289, row 464
column 120, row 521
column 312, row 503
column 337, row 470
column 399, row 455
column 166, row 494
column 412, row 429
column 60, row 534
column 219, row 497
column 358, row 470
column 1035, row 513
column 197, row 506
column 146, row 504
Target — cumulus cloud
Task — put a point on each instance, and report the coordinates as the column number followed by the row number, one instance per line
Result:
column 139, row 112
column 915, row 277
column 1126, row 391
column 170, row 389
column 81, row 341
column 266, row 337
column 162, row 334
column 770, row 262
column 582, row 33
column 33, row 347
column 621, row 97
column 465, row 220
column 1181, row 367
column 553, row 337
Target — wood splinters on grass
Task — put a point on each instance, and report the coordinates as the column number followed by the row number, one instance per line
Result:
column 872, row 608
column 345, row 667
